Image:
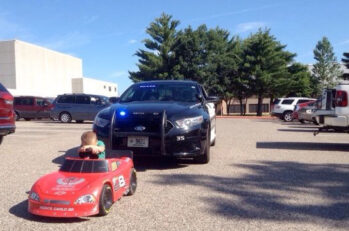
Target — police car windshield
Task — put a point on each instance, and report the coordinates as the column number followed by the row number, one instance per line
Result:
column 182, row 92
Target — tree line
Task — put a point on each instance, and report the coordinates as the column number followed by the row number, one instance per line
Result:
column 231, row 67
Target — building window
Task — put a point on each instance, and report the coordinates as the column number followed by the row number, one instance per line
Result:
column 105, row 87
column 109, row 88
column 236, row 108
column 115, row 89
column 252, row 108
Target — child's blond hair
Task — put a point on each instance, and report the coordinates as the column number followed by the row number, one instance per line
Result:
column 88, row 138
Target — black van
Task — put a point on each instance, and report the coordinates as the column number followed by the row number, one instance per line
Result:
column 78, row 107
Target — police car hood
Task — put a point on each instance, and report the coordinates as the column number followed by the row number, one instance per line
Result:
column 146, row 107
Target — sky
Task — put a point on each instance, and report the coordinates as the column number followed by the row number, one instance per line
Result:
column 106, row 34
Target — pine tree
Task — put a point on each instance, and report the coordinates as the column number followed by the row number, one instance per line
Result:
column 158, row 61
column 345, row 60
column 265, row 62
column 326, row 70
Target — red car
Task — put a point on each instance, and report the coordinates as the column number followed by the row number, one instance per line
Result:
column 83, row 187
column 300, row 106
column 7, row 116
column 32, row 107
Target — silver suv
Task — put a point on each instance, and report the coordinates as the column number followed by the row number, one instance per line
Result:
column 283, row 107
column 78, row 107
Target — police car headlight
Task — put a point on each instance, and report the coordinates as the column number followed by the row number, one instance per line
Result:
column 34, row 196
column 100, row 122
column 189, row 122
column 85, row 199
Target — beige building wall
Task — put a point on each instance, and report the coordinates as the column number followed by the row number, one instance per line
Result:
column 35, row 70
column 221, row 108
column 93, row 86
column 7, row 64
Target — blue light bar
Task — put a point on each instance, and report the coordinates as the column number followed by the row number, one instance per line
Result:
column 122, row 113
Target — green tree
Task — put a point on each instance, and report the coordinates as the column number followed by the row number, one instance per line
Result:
column 158, row 61
column 345, row 60
column 298, row 83
column 326, row 70
column 265, row 62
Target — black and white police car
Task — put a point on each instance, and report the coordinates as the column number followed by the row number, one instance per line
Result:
column 161, row 118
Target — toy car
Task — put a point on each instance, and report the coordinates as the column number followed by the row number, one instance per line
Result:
column 83, row 187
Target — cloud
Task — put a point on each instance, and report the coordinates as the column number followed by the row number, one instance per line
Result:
column 248, row 26
column 118, row 74
column 67, row 41
column 91, row 19
column 132, row 41
column 242, row 11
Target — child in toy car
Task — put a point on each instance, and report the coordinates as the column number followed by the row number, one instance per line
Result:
column 91, row 147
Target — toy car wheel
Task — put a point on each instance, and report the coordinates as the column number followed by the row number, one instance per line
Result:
column 1, row 138
column 65, row 117
column 27, row 119
column 79, row 121
column 105, row 200
column 288, row 116
column 133, row 183
column 205, row 158
column 302, row 121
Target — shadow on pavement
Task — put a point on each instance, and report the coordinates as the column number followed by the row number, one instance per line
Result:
column 275, row 191
column 73, row 152
column 296, row 130
column 156, row 163
column 21, row 210
column 304, row 146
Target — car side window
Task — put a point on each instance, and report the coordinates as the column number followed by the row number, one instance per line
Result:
column 82, row 99
column 302, row 101
column 40, row 102
column 287, row 101
column 95, row 100
column 66, row 99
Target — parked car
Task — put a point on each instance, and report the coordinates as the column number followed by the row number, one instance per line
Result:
column 32, row 107
column 7, row 115
column 305, row 111
column 283, row 107
column 298, row 107
column 161, row 118
column 83, row 187
column 78, row 107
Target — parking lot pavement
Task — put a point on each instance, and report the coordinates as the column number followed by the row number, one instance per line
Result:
column 263, row 175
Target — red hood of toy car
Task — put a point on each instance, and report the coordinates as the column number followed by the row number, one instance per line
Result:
column 64, row 183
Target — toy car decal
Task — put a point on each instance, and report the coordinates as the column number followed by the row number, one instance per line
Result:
column 119, row 182
column 114, row 166
column 70, row 181
column 59, row 193
column 50, row 208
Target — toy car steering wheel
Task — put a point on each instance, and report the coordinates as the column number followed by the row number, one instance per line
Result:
column 87, row 154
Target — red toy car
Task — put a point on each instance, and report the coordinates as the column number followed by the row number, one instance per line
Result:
column 83, row 187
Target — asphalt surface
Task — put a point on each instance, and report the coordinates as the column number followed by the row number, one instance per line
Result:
column 263, row 175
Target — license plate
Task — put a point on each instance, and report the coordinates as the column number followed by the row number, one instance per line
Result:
column 138, row 141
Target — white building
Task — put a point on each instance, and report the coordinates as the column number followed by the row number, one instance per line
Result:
column 93, row 86
column 28, row 69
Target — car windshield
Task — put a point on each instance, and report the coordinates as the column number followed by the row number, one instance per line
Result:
column 183, row 92
column 84, row 166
